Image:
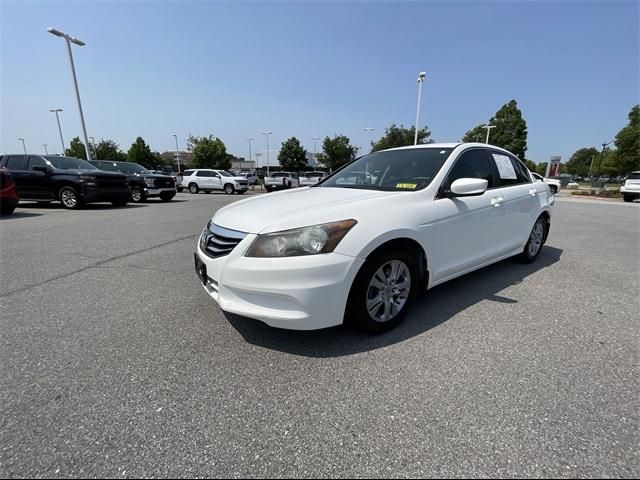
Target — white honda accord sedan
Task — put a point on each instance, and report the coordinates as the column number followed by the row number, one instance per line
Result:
column 364, row 242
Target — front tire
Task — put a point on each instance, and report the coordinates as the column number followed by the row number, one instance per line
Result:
column 628, row 198
column 137, row 195
column 229, row 189
column 536, row 240
column 7, row 209
column 70, row 198
column 383, row 291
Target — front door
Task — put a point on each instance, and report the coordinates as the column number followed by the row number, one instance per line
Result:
column 470, row 229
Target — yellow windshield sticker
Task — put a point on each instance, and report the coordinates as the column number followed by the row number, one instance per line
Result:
column 407, row 186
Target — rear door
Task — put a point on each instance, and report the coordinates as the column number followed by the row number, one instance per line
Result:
column 203, row 179
column 521, row 197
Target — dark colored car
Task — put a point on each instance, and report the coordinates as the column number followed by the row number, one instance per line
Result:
column 143, row 182
column 72, row 181
column 8, row 193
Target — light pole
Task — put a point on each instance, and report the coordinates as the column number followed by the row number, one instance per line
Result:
column 249, row 140
column 23, row 145
column 56, row 110
column 45, row 148
column 315, row 151
column 593, row 157
column 177, row 152
column 93, row 142
column 368, row 130
column 604, row 146
column 266, row 134
column 421, row 77
column 488, row 127
column 69, row 39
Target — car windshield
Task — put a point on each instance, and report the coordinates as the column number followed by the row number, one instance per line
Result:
column 68, row 163
column 391, row 170
column 131, row 168
column 224, row 173
column 634, row 176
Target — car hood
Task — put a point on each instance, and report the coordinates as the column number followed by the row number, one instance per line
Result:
column 297, row 208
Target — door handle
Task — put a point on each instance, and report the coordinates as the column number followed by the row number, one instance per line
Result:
column 497, row 201
column 533, row 192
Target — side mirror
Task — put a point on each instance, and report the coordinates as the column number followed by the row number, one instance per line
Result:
column 41, row 168
column 469, row 186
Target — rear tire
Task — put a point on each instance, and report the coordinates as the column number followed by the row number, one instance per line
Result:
column 628, row 198
column 383, row 291
column 70, row 198
column 536, row 241
column 166, row 197
column 229, row 189
column 7, row 209
column 193, row 188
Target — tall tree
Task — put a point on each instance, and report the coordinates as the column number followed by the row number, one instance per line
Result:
column 580, row 161
column 395, row 136
column 628, row 143
column 109, row 150
column 76, row 149
column 292, row 156
column 541, row 168
column 337, row 151
column 476, row 134
column 209, row 152
column 139, row 152
column 531, row 165
column 510, row 130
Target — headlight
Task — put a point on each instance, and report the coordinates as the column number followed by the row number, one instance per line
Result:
column 88, row 180
column 151, row 182
column 301, row 241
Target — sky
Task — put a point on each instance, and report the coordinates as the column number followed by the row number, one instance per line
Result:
column 312, row 69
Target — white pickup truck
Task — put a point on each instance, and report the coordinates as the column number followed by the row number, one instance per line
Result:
column 281, row 181
column 554, row 185
column 307, row 179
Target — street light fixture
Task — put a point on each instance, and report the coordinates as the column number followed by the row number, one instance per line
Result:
column 266, row 134
column 177, row 151
column 488, row 127
column 69, row 40
column 421, row 77
column 23, row 145
column 56, row 110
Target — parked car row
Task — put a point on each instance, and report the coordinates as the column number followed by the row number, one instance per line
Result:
column 75, row 182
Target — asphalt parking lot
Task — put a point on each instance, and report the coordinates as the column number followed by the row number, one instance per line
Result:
column 115, row 363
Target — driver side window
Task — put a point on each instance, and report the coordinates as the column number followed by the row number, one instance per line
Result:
column 471, row 164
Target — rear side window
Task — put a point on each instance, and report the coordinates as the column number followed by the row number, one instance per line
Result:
column 36, row 161
column 202, row 173
column 471, row 164
column 17, row 162
column 187, row 173
column 510, row 170
column 108, row 166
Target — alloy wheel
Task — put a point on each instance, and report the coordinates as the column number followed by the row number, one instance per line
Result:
column 388, row 291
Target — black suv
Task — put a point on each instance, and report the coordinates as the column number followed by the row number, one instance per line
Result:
column 72, row 181
column 143, row 183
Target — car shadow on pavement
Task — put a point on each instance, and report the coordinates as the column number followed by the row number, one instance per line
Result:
column 434, row 308
column 18, row 214
column 89, row 206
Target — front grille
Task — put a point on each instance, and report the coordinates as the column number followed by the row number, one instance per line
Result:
column 218, row 241
column 116, row 181
column 164, row 182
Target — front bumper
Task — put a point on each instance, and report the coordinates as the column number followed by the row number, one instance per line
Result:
column 631, row 190
column 296, row 293
column 151, row 192
column 98, row 194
